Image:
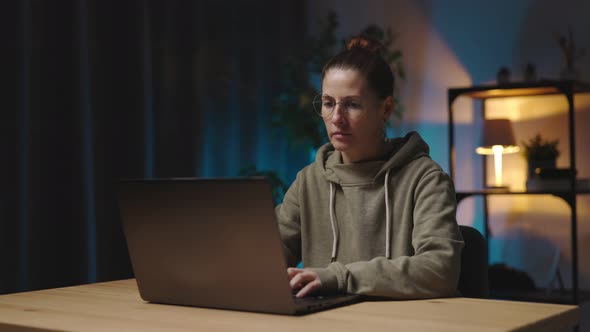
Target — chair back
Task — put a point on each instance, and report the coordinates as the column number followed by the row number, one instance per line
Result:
column 473, row 280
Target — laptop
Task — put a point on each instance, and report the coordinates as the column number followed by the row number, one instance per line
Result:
column 210, row 243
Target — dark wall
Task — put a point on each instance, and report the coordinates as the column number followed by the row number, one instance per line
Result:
column 99, row 90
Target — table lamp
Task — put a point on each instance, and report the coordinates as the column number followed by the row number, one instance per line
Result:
column 498, row 139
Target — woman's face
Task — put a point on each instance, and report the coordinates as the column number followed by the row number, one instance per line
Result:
column 355, row 127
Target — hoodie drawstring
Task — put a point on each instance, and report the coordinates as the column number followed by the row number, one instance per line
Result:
column 387, row 217
column 387, row 220
column 334, row 235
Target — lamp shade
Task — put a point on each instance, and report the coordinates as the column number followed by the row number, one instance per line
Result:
column 497, row 132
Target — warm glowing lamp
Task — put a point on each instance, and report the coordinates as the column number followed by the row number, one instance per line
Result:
column 498, row 139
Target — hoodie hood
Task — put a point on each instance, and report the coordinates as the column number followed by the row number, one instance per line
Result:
column 400, row 152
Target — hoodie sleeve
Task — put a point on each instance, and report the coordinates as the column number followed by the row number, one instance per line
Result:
column 290, row 225
column 433, row 270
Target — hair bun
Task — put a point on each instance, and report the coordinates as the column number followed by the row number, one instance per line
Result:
column 365, row 43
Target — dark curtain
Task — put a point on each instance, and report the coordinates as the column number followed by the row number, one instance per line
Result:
column 99, row 90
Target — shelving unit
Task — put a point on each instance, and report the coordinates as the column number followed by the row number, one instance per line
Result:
column 566, row 88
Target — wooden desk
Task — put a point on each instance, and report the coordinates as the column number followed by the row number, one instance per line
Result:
column 116, row 306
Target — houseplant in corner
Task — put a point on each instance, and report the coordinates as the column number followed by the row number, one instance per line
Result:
column 293, row 115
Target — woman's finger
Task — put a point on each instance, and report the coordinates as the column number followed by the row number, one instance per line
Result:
column 310, row 288
column 298, row 280
column 302, row 279
column 293, row 271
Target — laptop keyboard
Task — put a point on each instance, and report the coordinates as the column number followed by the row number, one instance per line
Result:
column 309, row 299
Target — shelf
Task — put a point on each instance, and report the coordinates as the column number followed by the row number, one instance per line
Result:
column 544, row 87
column 567, row 89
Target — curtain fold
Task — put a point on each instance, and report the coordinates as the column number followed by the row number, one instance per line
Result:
column 101, row 90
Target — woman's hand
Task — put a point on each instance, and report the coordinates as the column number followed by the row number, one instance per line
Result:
column 305, row 280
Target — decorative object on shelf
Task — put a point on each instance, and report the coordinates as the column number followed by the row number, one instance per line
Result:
column 555, row 179
column 498, row 139
column 540, row 153
column 530, row 73
column 554, row 173
column 503, row 76
column 535, row 183
column 570, row 54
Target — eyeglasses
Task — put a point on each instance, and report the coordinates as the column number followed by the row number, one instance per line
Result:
column 325, row 105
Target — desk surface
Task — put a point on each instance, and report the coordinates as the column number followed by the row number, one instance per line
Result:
column 116, row 306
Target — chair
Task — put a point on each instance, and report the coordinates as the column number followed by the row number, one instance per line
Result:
column 473, row 280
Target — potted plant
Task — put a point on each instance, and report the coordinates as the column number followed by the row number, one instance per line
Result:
column 540, row 153
column 293, row 115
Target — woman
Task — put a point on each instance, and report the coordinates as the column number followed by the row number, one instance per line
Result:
column 371, row 215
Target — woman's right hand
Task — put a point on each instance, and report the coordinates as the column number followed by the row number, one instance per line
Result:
column 304, row 280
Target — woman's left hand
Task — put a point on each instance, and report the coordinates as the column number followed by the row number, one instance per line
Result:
column 305, row 280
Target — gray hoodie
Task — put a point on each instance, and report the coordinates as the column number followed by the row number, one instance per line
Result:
column 382, row 228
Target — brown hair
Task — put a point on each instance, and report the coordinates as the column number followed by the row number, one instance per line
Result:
column 364, row 54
